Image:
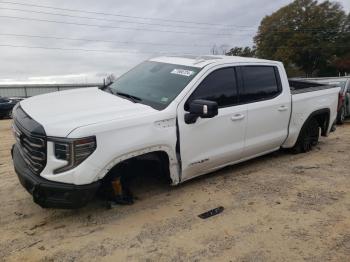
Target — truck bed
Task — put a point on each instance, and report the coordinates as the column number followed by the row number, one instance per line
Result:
column 300, row 86
column 309, row 97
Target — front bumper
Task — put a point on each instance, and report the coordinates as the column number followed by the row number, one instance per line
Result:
column 49, row 194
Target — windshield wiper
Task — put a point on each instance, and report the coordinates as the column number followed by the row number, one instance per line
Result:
column 132, row 98
column 108, row 89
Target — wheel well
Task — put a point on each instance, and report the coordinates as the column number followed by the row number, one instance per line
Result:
column 322, row 117
column 159, row 159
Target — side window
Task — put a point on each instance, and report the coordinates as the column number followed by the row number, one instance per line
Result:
column 220, row 86
column 259, row 83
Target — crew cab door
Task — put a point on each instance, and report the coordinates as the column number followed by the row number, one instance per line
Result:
column 269, row 108
column 211, row 143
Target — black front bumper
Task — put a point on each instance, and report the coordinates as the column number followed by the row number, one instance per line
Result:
column 49, row 194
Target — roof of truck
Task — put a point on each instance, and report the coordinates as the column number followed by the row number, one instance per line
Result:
column 202, row 61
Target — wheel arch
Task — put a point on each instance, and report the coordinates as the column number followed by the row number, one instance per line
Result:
column 162, row 153
column 320, row 118
column 323, row 118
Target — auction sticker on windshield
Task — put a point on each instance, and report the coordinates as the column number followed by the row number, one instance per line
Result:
column 182, row 72
column 164, row 99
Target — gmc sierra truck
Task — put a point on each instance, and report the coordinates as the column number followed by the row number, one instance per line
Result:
column 193, row 114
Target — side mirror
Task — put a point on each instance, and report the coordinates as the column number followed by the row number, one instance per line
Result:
column 201, row 108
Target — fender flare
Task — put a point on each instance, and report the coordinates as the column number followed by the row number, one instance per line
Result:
column 325, row 126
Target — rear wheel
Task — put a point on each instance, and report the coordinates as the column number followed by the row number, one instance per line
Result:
column 308, row 137
column 341, row 116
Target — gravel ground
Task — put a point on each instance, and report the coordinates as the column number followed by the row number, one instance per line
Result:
column 279, row 207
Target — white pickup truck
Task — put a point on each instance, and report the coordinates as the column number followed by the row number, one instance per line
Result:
column 194, row 114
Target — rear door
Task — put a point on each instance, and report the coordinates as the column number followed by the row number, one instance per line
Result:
column 268, row 108
column 211, row 143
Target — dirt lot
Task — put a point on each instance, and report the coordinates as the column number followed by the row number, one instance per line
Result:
column 280, row 207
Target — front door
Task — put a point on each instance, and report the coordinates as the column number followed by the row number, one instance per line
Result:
column 209, row 144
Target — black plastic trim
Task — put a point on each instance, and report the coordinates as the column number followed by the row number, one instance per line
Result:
column 23, row 120
column 31, row 129
column 295, row 91
column 318, row 113
column 49, row 194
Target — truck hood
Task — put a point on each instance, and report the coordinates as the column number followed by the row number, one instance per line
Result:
column 62, row 112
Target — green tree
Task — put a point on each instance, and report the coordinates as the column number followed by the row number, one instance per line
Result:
column 305, row 35
column 341, row 60
column 240, row 51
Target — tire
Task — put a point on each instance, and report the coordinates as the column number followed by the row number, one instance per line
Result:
column 341, row 116
column 308, row 137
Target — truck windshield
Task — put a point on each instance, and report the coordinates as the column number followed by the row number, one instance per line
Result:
column 153, row 83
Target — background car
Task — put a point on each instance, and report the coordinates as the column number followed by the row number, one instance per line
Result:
column 344, row 100
column 6, row 106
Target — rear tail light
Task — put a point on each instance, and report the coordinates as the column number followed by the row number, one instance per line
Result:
column 341, row 100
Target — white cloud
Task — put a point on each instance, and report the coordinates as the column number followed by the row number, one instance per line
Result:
column 30, row 65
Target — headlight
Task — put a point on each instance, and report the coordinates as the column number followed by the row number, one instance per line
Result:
column 74, row 151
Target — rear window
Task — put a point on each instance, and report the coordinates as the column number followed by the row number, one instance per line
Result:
column 259, row 83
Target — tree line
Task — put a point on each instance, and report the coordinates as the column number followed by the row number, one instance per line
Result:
column 310, row 38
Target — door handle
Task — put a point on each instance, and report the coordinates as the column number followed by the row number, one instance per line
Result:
column 237, row 117
column 282, row 108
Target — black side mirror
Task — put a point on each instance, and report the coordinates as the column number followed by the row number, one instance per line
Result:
column 201, row 108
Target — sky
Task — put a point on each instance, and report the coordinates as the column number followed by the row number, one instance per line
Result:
column 61, row 45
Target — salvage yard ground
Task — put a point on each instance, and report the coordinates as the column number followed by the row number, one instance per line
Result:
column 280, row 207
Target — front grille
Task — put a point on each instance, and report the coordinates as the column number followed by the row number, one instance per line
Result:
column 32, row 148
